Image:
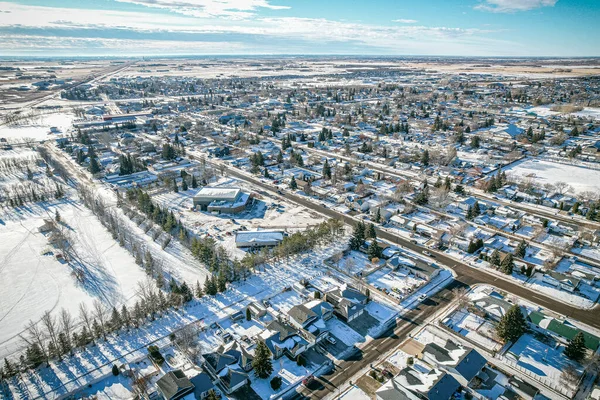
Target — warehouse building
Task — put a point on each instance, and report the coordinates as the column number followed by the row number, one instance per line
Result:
column 221, row 199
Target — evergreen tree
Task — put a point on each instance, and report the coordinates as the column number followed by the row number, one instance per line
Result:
column 377, row 215
column 425, row 158
column 186, row 293
column 115, row 319
column 221, row 282
column 521, row 249
column 262, row 364
column 198, row 291
column 293, row 184
column 476, row 209
column 507, row 264
column 175, row 187
column 125, row 317
column 326, row 170
column 94, row 165
column 194, row 182
column 374, row 250
column 576, row 349
column 495, row 258
column 512, row 325
column 371, row 231
column 115, row 370
column 184, row 185
column 57, row 216
column 212, row 395
column 248, row 314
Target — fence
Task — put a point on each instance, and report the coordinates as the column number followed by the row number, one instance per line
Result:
column 550, row 384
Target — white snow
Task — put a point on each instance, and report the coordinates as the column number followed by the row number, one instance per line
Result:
column 38, row 128
column 581, row 179
column 110, row 272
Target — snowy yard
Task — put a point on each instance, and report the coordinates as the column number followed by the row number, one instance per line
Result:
column 581, row 179
column 473, row 327
column 400, row 281
column 541, row 359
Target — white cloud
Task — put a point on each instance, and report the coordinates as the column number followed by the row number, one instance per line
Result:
column 405, row 21
column 265, row 35
column 20, row 44
column 507, row 6
column 235, row 9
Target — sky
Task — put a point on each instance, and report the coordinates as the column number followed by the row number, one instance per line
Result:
column 563, row 28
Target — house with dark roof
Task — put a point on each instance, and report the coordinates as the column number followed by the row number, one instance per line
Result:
column 463, row 363
column 282, row 338
column 203, row 384
column 562, row 281
column 174, row 385
column 348, row 303
column 233, row 379
column 419, row 382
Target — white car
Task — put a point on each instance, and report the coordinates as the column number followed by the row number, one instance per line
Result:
column 427, row 253
column 422, row 296
column 331, row 340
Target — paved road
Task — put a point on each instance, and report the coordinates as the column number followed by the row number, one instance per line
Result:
column 345, row 370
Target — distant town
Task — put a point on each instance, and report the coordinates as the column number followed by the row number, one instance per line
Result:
column 300, row 228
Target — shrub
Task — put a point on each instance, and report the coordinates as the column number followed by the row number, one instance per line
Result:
column 115, row 370
column 276, row 383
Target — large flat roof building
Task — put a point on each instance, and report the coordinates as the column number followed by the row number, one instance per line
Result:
column 221, row 199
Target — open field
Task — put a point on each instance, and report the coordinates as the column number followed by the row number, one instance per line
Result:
column 542, row 172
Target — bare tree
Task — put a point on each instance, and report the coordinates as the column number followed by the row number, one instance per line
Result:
column 187, row 340
column 52, row 328
column 563, row 187
column 570, row 376
column 67, row 324
column 86, row 316
column 461, row 297
column 100, row 315
column 35, row 335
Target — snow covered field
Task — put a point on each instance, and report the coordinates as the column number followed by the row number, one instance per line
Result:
column 38, row 128
column 581, row 179
column 34, row 283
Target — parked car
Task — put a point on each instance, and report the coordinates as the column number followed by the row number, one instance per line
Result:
column 331, row 340
column 427, row 253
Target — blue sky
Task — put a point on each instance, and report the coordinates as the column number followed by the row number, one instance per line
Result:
column 367, row 27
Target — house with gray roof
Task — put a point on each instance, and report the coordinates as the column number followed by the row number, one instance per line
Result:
column 419, row 382
column 174, row 385
column 203, row 384
column 463, row 363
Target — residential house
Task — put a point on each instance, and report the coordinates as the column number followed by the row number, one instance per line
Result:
column 463, row 363
column 419, row 382
column 174, row 385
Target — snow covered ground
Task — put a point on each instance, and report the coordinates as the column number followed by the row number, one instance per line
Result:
column 93, row 363
column 543, row 360
column 581, row 179
column 38, row 128
column 110, row 272
column 265, row 213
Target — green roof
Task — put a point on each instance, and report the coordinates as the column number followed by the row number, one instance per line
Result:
column 568, row 332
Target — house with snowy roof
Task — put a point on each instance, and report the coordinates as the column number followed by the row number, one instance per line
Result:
column 463, row 363
column 418, row 382
column 282, row 338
